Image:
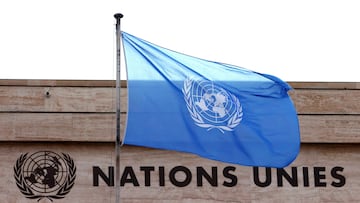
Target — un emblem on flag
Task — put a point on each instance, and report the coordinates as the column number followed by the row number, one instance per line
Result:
column 211, row 106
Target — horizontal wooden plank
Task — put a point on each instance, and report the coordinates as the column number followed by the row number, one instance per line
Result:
column 55, row 127
column 326, row 101
column 330, row 129
column 325, row 85
column 100, row 127
column 57, row 99
column 102, row 99
column 322, row 173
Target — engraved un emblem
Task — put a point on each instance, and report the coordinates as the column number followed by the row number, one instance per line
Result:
column 211, row 106
column 45, row 174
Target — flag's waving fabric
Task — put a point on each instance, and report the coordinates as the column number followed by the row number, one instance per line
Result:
column 217, row 111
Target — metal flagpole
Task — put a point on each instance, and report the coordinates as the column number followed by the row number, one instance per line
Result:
column 118, row 143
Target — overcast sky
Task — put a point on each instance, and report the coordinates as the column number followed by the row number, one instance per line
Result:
column 305, row 40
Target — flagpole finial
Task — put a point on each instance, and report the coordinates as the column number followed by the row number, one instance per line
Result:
column 118, row 16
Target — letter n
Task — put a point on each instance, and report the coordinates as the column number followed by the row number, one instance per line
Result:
column 109, row 180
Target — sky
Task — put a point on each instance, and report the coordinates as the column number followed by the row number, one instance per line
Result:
column 304, row 40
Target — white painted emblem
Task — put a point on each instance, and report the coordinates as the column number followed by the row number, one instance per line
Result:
column 211, row 106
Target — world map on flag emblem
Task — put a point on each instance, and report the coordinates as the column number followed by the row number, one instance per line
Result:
column 211, row 106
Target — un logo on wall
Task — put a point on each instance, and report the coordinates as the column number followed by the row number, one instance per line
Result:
column 211, row 106
column 45, row 174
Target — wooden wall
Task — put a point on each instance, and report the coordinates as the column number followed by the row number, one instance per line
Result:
column 77, row 118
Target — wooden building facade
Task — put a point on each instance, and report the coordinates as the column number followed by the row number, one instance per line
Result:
column 57, row 144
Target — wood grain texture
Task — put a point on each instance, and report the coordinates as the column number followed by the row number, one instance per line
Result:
column 325, row 85
column 87, row 155
column 326, row 101
column 330, row 128
column 77, row 127
column 60, row 99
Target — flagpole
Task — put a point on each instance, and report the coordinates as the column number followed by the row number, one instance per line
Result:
column 118, row 143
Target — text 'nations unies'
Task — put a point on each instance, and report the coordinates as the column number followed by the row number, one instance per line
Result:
column 181, row 176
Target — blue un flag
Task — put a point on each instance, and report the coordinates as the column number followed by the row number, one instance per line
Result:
column 217, row 111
